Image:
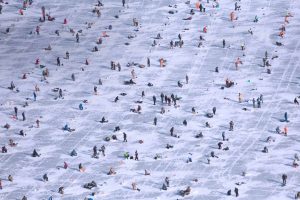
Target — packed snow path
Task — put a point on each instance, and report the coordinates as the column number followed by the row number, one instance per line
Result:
column 21, row 46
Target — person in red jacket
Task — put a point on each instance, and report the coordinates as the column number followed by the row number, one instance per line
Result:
column 205, row 29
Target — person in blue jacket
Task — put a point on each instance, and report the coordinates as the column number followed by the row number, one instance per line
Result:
column 80, row 106
column 285, row 117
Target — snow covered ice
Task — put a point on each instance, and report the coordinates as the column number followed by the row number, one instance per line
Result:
column 241, row 57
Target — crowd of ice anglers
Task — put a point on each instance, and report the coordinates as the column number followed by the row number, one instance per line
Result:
column 163, row 100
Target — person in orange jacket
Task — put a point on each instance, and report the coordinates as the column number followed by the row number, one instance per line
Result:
column 281, row 34
column 285, row 130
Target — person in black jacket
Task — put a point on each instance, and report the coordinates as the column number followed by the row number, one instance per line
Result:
column 236, row 191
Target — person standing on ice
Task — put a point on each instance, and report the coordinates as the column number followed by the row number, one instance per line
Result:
column 231, row 126
column 148, row 62
column 67, row 55
column 286, row 117
column 162, row 96
column 34, row 96
column 60, row 95
column 186, row 79
column 236, row 191
column 155, row 121
column 133, row 74
column 124, row 137
column 240, row 98
column 37, row 30
column 172, row 131
column 103, row 150
column 154, row 99
column 23, row 115
column 43, row 14
column 73, row 77
column 116, row 99
column 171, row 44
column 179, row 36
column 16, row 112
column 10, row 178
column 77, row 37
column 261, row 98
column 58, row 61
column 223, row 136
column 167, row 181
column 1, row 9
column 136, row 155
column 123, row 2
column 95, row 150
column 258, row 103
column 95, row 90
column 284, row 178
column 214, row 109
